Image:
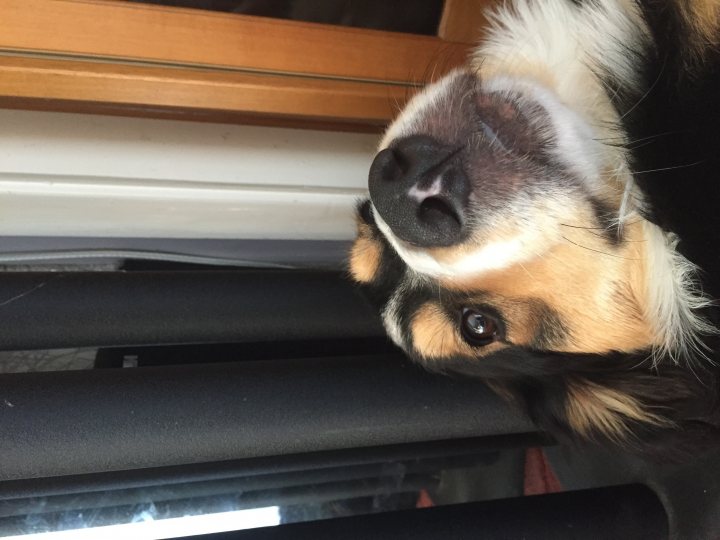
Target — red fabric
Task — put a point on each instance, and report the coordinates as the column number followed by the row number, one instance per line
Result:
column 539, row 476
column 424, row 500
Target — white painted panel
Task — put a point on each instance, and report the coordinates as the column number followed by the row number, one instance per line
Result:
column 82, row 175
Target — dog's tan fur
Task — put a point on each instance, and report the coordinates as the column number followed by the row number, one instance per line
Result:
column 703, row 17
column 592, row 408
column 435, row 336
column 365, row 255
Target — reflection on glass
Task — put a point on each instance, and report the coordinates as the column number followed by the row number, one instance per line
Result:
column 147, row 527
column 409, row 16
column 175, row 504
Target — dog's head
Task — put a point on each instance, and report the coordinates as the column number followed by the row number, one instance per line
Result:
column 503, row 238
column 495, row 201
column 492, row 233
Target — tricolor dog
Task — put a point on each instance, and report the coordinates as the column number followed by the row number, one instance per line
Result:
column 547, row 218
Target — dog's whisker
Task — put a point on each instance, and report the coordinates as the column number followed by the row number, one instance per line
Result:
column 600, row 252
column 648, row 92
column 672, row 168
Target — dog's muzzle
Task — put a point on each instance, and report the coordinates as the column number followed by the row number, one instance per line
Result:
column 420, row 190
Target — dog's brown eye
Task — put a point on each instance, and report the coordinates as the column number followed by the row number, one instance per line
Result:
column 477, row 328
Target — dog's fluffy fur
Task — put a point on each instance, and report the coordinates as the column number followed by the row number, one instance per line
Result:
column 588, row 130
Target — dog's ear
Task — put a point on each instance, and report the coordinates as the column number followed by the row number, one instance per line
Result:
column 665, row 413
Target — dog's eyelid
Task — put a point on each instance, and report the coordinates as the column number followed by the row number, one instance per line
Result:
column 488, row 309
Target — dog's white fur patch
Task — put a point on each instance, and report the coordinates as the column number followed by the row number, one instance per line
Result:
column 527, row 244
column 390, row 318
column 674, row 298
column 493, row 256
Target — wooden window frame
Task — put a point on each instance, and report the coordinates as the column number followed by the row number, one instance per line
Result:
column 117, row 57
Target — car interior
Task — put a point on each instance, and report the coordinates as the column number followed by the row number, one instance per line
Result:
column 183, row 353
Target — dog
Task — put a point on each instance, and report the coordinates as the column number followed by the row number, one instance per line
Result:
column 546, row 219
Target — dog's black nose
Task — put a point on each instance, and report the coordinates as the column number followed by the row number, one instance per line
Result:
column 420, row 190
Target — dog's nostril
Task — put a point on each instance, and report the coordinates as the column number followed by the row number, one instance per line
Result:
column 435, row 209
column 389, row 165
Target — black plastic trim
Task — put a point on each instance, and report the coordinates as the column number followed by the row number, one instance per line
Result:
column 47, row 310
column 632, row 511
column 77, row 422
